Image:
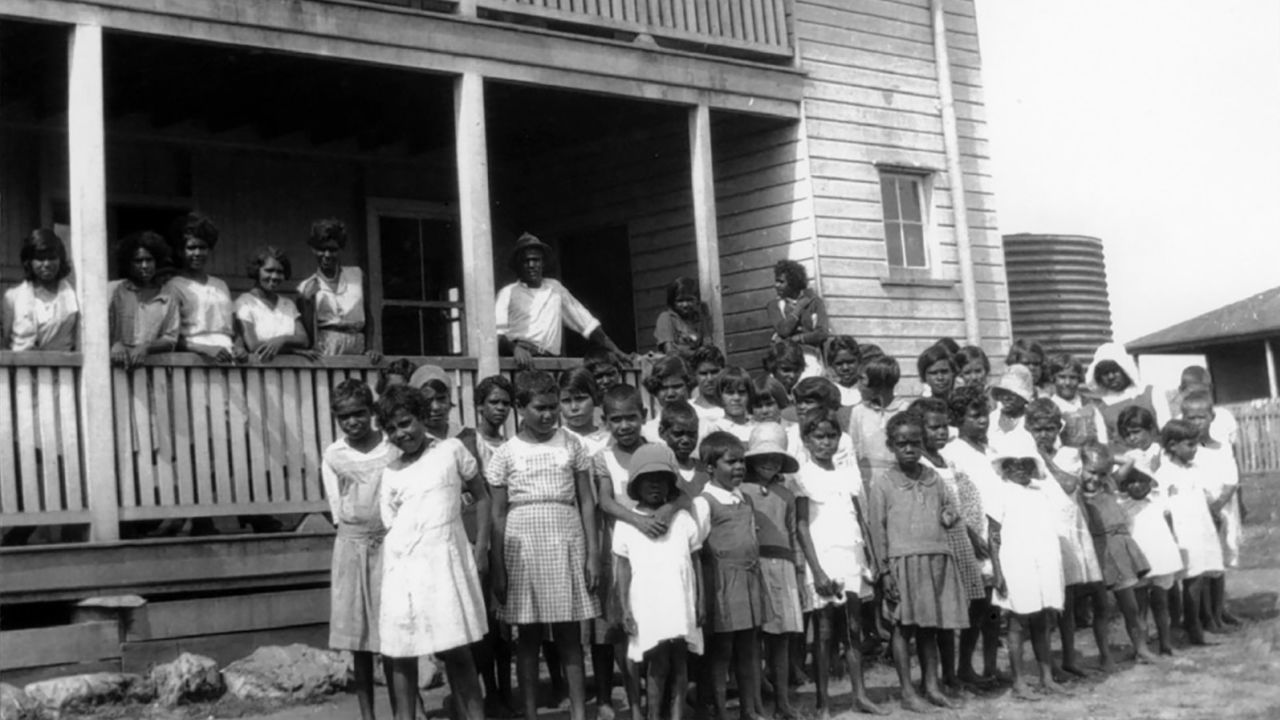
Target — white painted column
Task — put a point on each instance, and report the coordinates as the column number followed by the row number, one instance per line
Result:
column 1269, row 348
column 706, row 235
column 473, row 214
column 88, row 200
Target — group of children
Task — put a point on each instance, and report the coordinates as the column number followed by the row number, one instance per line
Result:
column 753, row 512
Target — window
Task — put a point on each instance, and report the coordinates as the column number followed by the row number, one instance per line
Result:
column 903, row 196
column 418, row 284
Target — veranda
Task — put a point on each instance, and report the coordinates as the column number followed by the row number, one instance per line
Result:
column 105, row 133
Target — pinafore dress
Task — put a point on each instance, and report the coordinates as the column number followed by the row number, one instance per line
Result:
column 731, row 565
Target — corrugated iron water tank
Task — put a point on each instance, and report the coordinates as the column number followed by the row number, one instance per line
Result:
column 1058, row 291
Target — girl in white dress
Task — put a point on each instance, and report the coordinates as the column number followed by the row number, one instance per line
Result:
column 659, row 582
column 432, row 602
column 1028, row 561
column 1185, row 483
column 268, row 321
column 830, row 526
column 1149, row 525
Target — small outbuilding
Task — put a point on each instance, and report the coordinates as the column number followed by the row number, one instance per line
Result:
column 1238, row 342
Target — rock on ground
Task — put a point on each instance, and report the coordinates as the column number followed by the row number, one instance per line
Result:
column 288, row 673
column 189, row 678
column 15, row 704
column 82, row 691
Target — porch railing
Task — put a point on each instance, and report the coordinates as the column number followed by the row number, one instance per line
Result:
column 192, row 439
column 42, row 473
column 752, row 26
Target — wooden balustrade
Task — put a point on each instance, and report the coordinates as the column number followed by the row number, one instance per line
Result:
column 42, row 472
column 1259, row 443
column 192, row 438
column 757, row 27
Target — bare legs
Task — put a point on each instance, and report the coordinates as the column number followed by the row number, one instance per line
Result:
column 984, row 623
column 567, row 637
column 743, row 647
column 1133, row 623
column 779, row 649
column 1192, row 590
column 1037, row 624
column 667, row 666
column 363, row 661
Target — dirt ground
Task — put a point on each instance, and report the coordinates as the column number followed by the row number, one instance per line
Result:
column 1235, row 678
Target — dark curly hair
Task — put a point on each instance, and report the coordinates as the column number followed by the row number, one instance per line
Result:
column 260, row 258
column 963, row 399
column 44, row 243
column 192, row 225
column 797, row 277
column 326, row 229
column 401, row 397
column 150, row 241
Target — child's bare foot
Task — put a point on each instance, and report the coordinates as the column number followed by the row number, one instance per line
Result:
column 1076, row 670
column 1051, row 687
column 915, row 703
column 1022, row 691
column 785, row 712
column 937, row 697
column 605, row 711
column 1230, row 619
column 1166, row 650
column 863, row 704
column 1107, row 665
column 1144, row 655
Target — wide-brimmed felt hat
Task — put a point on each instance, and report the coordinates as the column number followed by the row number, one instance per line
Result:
column 770, row 438
column 527, row 241
column 1017, row 380
column 652, row 459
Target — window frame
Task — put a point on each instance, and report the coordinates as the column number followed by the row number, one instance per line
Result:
column 923, row 180
column 379, row 207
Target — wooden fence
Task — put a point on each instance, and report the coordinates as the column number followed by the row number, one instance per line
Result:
column 1259, row 444
column 753, row 26
column 42, row 474
column 191, row 438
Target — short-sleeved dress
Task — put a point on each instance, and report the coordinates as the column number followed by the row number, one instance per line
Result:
column 431, row 595
column 835, row 531
column 1184, row 487
column 663, row 580
column 545, row 549
column 686, row 336
column 352, row 483
column 1123, row 563
column 268, row 322
column 1079, row 556
column 339, row 311
column 135, row 322
column 775, row 508
column 205, row 310
column 1030, row 555
column 867, row 423
column 1148, row 527
column 609, row 463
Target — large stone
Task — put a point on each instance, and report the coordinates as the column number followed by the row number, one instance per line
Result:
column 290, row 673
column 190, row 678
column 16, row 704
column 84, row 691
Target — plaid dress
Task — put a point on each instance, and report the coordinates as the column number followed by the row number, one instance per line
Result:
column 958, row 537
column 544, row 547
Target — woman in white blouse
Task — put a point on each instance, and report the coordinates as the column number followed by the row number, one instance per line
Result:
column 204, row 301
column 41, row 312
column 268, row 322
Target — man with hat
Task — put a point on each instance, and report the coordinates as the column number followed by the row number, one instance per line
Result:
column 533, row 311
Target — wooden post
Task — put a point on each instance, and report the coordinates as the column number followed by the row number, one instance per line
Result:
column 473, row 214
column 1271, row 367
column 88, row 200
column 705, row 232
column 467, row 8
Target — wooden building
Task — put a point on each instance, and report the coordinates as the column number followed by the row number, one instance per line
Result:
column 644, row 139
column 1240, row 343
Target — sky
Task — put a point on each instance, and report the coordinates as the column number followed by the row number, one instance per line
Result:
column 1152, row 124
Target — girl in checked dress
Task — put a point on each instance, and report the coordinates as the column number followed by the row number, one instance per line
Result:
column 546, row 526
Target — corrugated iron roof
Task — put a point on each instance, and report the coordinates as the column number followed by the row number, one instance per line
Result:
column 1253, row 317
